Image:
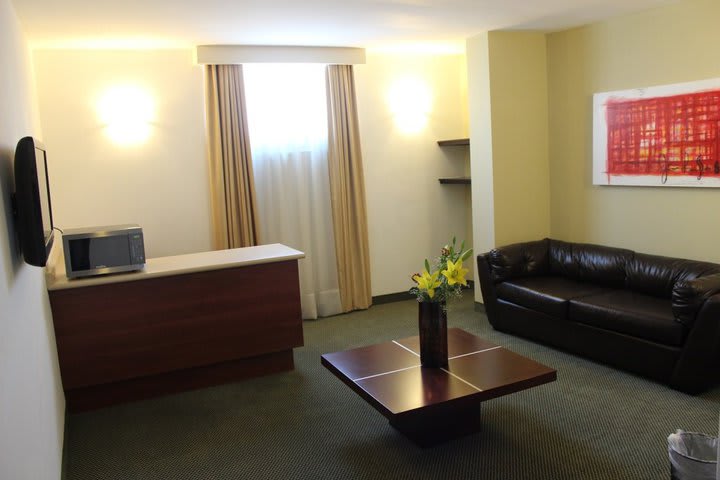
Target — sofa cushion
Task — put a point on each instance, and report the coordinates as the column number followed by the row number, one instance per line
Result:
column 657, row 275
column 519, row 260
column 590, row 263
column 547, row 294
column 631, row 313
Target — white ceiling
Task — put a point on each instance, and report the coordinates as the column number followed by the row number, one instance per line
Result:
column 353, row 23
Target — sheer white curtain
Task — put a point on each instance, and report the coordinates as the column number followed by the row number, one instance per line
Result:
column 287, row 117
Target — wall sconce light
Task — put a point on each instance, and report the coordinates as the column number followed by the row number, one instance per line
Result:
column 126, row 113
column 410, row 102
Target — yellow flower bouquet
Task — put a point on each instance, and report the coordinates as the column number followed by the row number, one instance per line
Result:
column 446, row 278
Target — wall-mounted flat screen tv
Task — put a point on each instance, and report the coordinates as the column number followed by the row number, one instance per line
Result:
column 32, row 197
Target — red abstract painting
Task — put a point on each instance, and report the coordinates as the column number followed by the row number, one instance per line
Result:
column 659, row 140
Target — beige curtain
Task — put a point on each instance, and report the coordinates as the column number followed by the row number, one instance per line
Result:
column 347, row 190
column 232, row 189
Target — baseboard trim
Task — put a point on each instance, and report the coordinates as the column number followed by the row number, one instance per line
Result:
column 391, row 298
column 403, row 296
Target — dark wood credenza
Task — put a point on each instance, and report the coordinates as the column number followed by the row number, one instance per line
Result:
column 184, row 322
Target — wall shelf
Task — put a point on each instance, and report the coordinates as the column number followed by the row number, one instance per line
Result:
column 457, row 142
column 454, row 143
column 455, row 181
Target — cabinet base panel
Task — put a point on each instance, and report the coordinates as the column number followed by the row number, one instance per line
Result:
column 98, row 396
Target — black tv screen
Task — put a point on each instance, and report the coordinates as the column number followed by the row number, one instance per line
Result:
column 32, row 196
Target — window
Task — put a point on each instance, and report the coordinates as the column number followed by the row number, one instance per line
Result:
column 286, row 105
column 287, row 122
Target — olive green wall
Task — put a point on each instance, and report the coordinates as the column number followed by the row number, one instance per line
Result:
column 671, row 44
column 518, row 95
column 507, row 93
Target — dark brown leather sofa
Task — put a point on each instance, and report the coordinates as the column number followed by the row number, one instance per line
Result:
column 651, row 315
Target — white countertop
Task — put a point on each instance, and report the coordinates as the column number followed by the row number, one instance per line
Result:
column 175, row 265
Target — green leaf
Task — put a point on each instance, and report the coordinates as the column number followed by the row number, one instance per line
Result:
column 466, row 254
column 427, row 265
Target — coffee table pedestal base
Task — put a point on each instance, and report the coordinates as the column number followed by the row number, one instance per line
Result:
column 426, row 430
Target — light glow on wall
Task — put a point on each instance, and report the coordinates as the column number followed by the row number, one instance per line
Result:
column 410, row 102
column 109, row 43
column 126, row 113
column 421, row 48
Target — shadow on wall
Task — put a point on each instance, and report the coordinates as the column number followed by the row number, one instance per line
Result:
column 9, row 244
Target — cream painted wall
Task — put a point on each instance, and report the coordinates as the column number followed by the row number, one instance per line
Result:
column 410, row 214
column 162, row 184
column 507, row 79
column 32, row 404
column 666, row 45
column 481, row 146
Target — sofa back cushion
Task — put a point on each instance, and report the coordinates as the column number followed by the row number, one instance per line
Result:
column 607, row 266
column 561, row 260
column 656, row 275
column 590, row 263
column 519, row 260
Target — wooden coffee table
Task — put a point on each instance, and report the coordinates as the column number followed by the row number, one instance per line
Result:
column 433, row 405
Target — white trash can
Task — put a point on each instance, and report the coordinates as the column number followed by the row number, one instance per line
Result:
column 693, row 456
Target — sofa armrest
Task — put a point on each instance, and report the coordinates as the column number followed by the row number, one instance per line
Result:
column 519, row 260
column 487, row 287
column 699, row 364
column 688, row 297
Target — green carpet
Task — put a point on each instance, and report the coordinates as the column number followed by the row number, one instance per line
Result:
column 594, row 422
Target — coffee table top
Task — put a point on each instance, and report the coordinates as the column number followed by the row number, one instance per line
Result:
column 389, row 376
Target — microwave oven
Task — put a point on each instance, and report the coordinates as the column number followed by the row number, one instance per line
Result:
column 102, row 250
